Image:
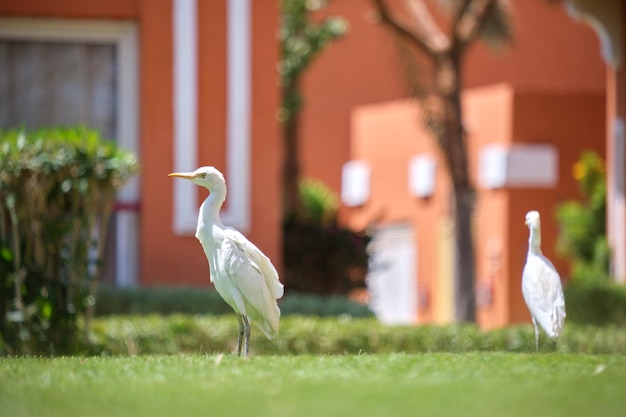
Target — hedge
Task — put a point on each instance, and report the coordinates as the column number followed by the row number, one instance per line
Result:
column 152, row 334
column 173, row 300
column 596, row 302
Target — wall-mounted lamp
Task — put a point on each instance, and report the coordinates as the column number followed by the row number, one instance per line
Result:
column 355, row 183
column 422, row 175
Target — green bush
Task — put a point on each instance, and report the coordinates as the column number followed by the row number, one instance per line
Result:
column 123, row 335
column 319, row 203
column 57, row 187
column 302, row 40
column 321, row 256
column 582, row 235
column 596, row 302
column 591, row 297
column 116, row 301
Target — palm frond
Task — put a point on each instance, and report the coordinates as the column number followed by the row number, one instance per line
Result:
column 496, row 29
column 450, row 5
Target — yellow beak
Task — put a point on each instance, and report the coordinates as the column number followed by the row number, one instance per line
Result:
column 185, row 175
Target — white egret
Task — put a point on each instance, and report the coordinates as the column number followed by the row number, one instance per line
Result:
column 241, row 273
column 541, row 285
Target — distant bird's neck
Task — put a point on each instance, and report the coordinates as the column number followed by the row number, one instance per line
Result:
column 534, row 241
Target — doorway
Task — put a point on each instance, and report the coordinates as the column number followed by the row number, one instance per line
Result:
column 392, row 277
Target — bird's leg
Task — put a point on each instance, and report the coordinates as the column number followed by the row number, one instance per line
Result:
column 246, row 342
column 240, row 319
column 536, row 335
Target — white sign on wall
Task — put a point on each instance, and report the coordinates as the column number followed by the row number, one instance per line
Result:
column 521, row 165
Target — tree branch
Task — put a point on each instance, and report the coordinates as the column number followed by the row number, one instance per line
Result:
column 438, row 41
column 470, row 20
column 421, row 41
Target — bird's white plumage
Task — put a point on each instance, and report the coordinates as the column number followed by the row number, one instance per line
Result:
column 541, row 284
column 245, row 278
column 241, row 273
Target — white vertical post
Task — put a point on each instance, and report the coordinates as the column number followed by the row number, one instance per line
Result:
column 238, row 119
column 127, row 221
column 185, row 112
column 617, row 202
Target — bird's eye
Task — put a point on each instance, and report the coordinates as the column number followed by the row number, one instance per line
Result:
column 203, row 175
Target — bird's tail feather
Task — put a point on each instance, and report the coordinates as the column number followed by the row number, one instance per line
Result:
column 268, row 323
column 558, row 317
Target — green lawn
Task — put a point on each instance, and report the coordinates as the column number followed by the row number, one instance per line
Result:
column 432, row 384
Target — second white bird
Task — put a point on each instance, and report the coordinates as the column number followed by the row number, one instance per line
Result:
column 541, row 285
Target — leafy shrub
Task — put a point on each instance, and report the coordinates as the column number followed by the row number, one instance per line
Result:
column 596, row 302
column 116, row 301
column 324, row 260
column 302, row 40
column 319, row 204
column 582, row 234
column 591, row 297
column 322, row 257
column 57, row 187
column 123, row 335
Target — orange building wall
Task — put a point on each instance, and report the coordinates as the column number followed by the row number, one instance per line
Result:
column 166, row 258
column 113, row 9
column 488, row 115
column 180, row 260
column 574, row 123
column 361, row 68
column 550, row 51
column 386, row 135
column 266, row 158
column 570, row 122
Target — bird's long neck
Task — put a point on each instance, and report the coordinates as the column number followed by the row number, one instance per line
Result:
column 534, row 241
column 210, row 209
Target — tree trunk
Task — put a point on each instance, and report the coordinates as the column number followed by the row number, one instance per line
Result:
column 443, row 116
column 291, row 164
column 464, row 272
column 454, row 147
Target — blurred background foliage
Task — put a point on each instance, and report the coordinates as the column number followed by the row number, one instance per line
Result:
column 321, row 256
column 302, row 40
column 304, row 34
column 592, row 297
column 595, row 302
column 582, row 224
column 168, row 301
column 319, row 203
column 57, row 187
